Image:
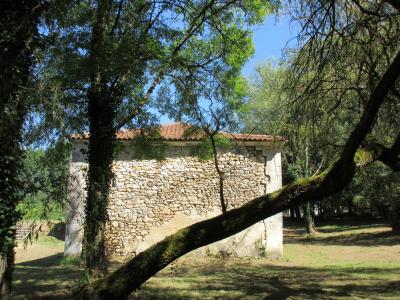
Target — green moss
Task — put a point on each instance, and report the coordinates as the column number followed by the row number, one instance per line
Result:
column 174, row 242
column 363, row 157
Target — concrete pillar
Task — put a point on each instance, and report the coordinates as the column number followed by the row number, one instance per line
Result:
column 274, row 224
column 274, row 240
column 75, row 210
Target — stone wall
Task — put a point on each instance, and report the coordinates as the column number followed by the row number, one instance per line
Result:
column 150, row 199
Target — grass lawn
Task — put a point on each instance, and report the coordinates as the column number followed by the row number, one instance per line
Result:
column 344, row 261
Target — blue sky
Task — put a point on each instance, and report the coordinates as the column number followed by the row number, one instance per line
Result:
column 270, row 39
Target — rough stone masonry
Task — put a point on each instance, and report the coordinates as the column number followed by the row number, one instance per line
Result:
column 151, row 198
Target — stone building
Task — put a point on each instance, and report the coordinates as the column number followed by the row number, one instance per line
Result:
column 151, row 198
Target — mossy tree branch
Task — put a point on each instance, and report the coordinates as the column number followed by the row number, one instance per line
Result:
column 377, row 152
column 119, row 284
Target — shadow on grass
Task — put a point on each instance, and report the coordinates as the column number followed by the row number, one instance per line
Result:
column 336, row 225
column 242, row 281
column 52, row 260
column 342, row 233
column 45, row 278
column 381, row 238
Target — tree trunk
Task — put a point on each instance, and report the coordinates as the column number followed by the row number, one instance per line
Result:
column 308, row 219
column 101, row 154
column 19, row 20
column 292, row 213
column 350, row 206
column 297, row 212
column 101, row 113
column 394, row 217
column 6, row 270
column 220, row 175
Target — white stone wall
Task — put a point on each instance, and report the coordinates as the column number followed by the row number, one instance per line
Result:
column 150, row 199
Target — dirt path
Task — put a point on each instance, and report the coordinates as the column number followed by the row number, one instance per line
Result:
column 36, row 251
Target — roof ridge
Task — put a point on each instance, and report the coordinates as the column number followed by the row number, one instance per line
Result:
column 176, row 131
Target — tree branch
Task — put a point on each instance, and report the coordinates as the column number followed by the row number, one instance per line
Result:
column 117, row 17
column 371, row 109
column 189, row 33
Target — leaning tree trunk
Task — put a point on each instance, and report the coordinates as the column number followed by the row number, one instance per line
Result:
column 134, row 273
column 19, row 20
column 101, row 113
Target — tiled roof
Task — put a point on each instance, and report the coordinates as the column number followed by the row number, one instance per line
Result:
column 176, row 132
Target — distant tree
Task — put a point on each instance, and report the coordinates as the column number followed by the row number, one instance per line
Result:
column 374, row 192
column 44, row 180
column 331, row 77
column 270, row 110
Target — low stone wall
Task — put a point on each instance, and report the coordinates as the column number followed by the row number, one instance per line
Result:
column 150, row 199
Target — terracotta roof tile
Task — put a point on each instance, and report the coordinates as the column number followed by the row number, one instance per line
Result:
column 176, row 132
